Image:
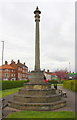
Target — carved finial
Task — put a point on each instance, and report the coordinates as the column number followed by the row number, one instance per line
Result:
column 37, row 7
column 37, row 10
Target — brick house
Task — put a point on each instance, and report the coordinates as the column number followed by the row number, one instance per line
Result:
column 20, row 71
column 7, row 72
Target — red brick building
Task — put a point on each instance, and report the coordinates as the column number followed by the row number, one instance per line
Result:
column 7, row 72
column 13, row 71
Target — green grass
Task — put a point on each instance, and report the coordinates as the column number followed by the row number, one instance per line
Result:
column 41, row 114
column 7, row 92
column 57, row 84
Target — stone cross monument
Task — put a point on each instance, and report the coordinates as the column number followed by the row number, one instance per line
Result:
column 37, row 75
column 37, row 38
column 36, row 94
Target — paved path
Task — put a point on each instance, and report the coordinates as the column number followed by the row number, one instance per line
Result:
column 6, row 110
column 69, row 107
column 70, row 100
column 5, row 101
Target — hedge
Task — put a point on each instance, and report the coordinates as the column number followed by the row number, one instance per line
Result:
column 13, row 84
column 70, row 84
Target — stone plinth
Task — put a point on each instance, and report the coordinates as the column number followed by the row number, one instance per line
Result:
column 37, row 97
column 37, row 77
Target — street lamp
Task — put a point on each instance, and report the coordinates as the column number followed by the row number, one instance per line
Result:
column 2, row 76
column 2, row 51
column 69, row 67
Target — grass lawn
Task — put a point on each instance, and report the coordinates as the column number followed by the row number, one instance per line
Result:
column 7, row 92
column 57, row 84
column 41, row 114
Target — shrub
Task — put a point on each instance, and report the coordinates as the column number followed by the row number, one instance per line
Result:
column 70, row 84
column 13, row 84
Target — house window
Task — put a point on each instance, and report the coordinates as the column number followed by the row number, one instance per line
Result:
column 23, row 67
column 23, row 70
column 19, row 68
column 6, row 70
column 6, row 75
column 12, row 75
column 12, row 70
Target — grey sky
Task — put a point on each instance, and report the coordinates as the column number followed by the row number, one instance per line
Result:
column 57, row 32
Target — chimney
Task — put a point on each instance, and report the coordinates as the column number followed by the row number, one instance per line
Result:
column 6, row 62
column 18, row 61
column 48, row 70
column 24, row 63
column 12, row 62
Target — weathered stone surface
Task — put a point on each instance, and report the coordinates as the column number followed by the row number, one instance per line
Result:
column 37, row 99
column 40, row 92
column 37, row 106
column 37, row 86
column 37, row 40
column 37, row 77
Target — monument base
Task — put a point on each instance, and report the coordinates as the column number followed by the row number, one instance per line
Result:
column 38, row 97
column 37, row 106
column 37, row 77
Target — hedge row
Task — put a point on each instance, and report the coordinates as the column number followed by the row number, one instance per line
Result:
column 13, row 84
column 70, row 84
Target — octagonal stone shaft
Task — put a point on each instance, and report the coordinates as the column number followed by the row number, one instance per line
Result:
column 37, row 40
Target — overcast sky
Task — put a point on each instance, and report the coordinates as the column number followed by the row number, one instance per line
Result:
column 57, row 32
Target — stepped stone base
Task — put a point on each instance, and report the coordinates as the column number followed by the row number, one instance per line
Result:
column 37, row 106
column 41, row 92
column 37, row 97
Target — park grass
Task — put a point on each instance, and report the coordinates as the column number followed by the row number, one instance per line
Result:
column 42, row 114
column 57, row 84
column 7, row 92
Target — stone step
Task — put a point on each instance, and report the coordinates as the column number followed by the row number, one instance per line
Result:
column 40, row 92
column 37, row 86
column 37, row 99
column 36, row 106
